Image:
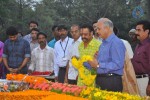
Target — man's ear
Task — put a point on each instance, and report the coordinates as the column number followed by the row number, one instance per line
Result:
column 147, row 31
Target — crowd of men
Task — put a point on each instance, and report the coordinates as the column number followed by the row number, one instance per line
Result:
column 32, row 53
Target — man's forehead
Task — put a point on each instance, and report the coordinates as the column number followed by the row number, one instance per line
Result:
column 74, row 27
column 99, row 24
column 139, row 27
column 32, row 24
column 84, row 30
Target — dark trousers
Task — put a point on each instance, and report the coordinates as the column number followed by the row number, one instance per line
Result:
column 109, row 83
column 73, row 82
column 61, row 74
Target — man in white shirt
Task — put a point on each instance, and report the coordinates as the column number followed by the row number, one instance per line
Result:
column 125, row 42
column 42, row 57
column 61, row 49
column 71, row 72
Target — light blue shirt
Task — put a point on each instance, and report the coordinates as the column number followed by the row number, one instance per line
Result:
column 28, row 38
column 52, row 43
column 111, row 56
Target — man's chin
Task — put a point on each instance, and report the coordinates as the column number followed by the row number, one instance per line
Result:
column 63, row 37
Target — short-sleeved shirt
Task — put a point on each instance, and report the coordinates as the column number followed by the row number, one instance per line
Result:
column 16, row 51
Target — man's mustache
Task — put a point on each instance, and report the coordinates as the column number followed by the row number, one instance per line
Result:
column 62, row 36
column 84, row 39
column 137, row 35
column 41, row 42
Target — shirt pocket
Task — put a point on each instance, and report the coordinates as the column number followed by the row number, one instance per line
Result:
column 141, row 56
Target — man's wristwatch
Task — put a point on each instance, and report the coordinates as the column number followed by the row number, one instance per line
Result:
column 98, row 65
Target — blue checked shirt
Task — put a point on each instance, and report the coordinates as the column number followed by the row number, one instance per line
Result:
column 16, row 52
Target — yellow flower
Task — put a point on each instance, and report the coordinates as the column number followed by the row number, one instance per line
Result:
column 87, row 79
column 97, row 94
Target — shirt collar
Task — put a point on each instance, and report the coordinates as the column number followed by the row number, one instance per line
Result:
column 92, row 42
column 17, row 40
column 65, row 40
column 46, row 48
column 35, row 42
column 79, row 40
column 109, row 38
column 144, row 41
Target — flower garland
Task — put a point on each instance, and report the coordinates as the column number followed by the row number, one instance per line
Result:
column 28, row 79
column 45, row 87
column 97, row 94
column 25, row 95
column 87, row 79
column 36, row 95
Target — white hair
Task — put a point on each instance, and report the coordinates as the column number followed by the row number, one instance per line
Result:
column 107, row 22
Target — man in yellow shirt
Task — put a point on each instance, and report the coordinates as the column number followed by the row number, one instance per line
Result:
column 89, row 46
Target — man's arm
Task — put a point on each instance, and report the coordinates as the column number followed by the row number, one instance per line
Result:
column 23, row 63
column 4, row 55
column 33, row 61
column 56, row 68
column 6, row 65
column 66, row 75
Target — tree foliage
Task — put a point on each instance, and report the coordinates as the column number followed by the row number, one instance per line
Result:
column 49, row 12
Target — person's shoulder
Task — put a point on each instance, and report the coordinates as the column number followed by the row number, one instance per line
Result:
column 57, row 42
column 125, row 41
column 81, row 44
column 51, row 41
column 23, row 40
column 35, row 50
column 148, row 42
column 70, row 39
column 26, row 36
column 7, row 41
column 1, row 44
column 50, row 48
column 96, row 42
column 116, row 39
